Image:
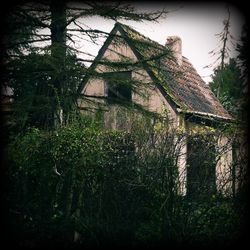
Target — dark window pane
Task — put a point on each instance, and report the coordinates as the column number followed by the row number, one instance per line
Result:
column 119, row 87
column 201, row 163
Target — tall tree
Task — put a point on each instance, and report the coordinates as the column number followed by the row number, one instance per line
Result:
column 243, row 58
column 58, row 54
column 222, row 53
column 228, row 80
column 52, row 22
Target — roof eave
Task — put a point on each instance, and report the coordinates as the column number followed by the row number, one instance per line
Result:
column 207, row 115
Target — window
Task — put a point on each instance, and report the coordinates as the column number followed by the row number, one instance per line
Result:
column 201, row 167
column 119, row 87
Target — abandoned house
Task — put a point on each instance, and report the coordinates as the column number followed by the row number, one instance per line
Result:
column 176, row 88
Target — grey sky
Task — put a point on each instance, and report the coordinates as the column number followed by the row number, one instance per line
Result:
column 196, row 24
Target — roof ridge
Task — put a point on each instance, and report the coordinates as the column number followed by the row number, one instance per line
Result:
column 137, row 32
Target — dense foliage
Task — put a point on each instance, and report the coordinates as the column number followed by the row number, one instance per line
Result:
column 231, row 85
column 90, row 186
column 31, row 77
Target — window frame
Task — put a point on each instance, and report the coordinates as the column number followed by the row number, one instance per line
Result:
column 118, row 97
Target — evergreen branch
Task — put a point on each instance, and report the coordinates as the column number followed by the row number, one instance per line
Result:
column 34, row 20
column 89, row 31
column 26, row 42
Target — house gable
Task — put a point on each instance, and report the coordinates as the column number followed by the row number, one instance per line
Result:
column 94, row 85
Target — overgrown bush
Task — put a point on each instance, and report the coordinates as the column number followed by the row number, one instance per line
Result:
column 212, row 221
column 52, row 173
column 91, row 186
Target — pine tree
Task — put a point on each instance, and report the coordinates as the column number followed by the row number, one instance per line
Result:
column 222, row 53
column 41, row 46
column 243, row 59
column 228, row 80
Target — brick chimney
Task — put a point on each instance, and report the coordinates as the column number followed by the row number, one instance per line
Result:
column 175, row 45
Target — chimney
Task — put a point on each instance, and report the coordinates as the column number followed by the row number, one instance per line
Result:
column 174, row 44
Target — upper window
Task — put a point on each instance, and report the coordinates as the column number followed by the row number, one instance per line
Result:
column 119, row 87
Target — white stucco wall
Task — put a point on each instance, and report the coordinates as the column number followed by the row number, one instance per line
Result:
column 94, row 87
column 224, row 166
column 181, row 163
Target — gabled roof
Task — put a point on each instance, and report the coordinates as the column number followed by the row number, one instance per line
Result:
column 181, row 85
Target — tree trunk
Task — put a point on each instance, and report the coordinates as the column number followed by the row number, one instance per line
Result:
column 77, row 234
column 58, row 56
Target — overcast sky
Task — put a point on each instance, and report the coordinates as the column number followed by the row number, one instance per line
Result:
column 196, row 24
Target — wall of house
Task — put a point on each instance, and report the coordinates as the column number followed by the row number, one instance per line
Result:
column 240, row 159
column 182, row 165
column 224, row 177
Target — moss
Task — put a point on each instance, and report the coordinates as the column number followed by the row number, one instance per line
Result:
column 201, row 130
column 142, row 45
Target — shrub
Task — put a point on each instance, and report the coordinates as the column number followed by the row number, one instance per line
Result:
column 88, row 185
